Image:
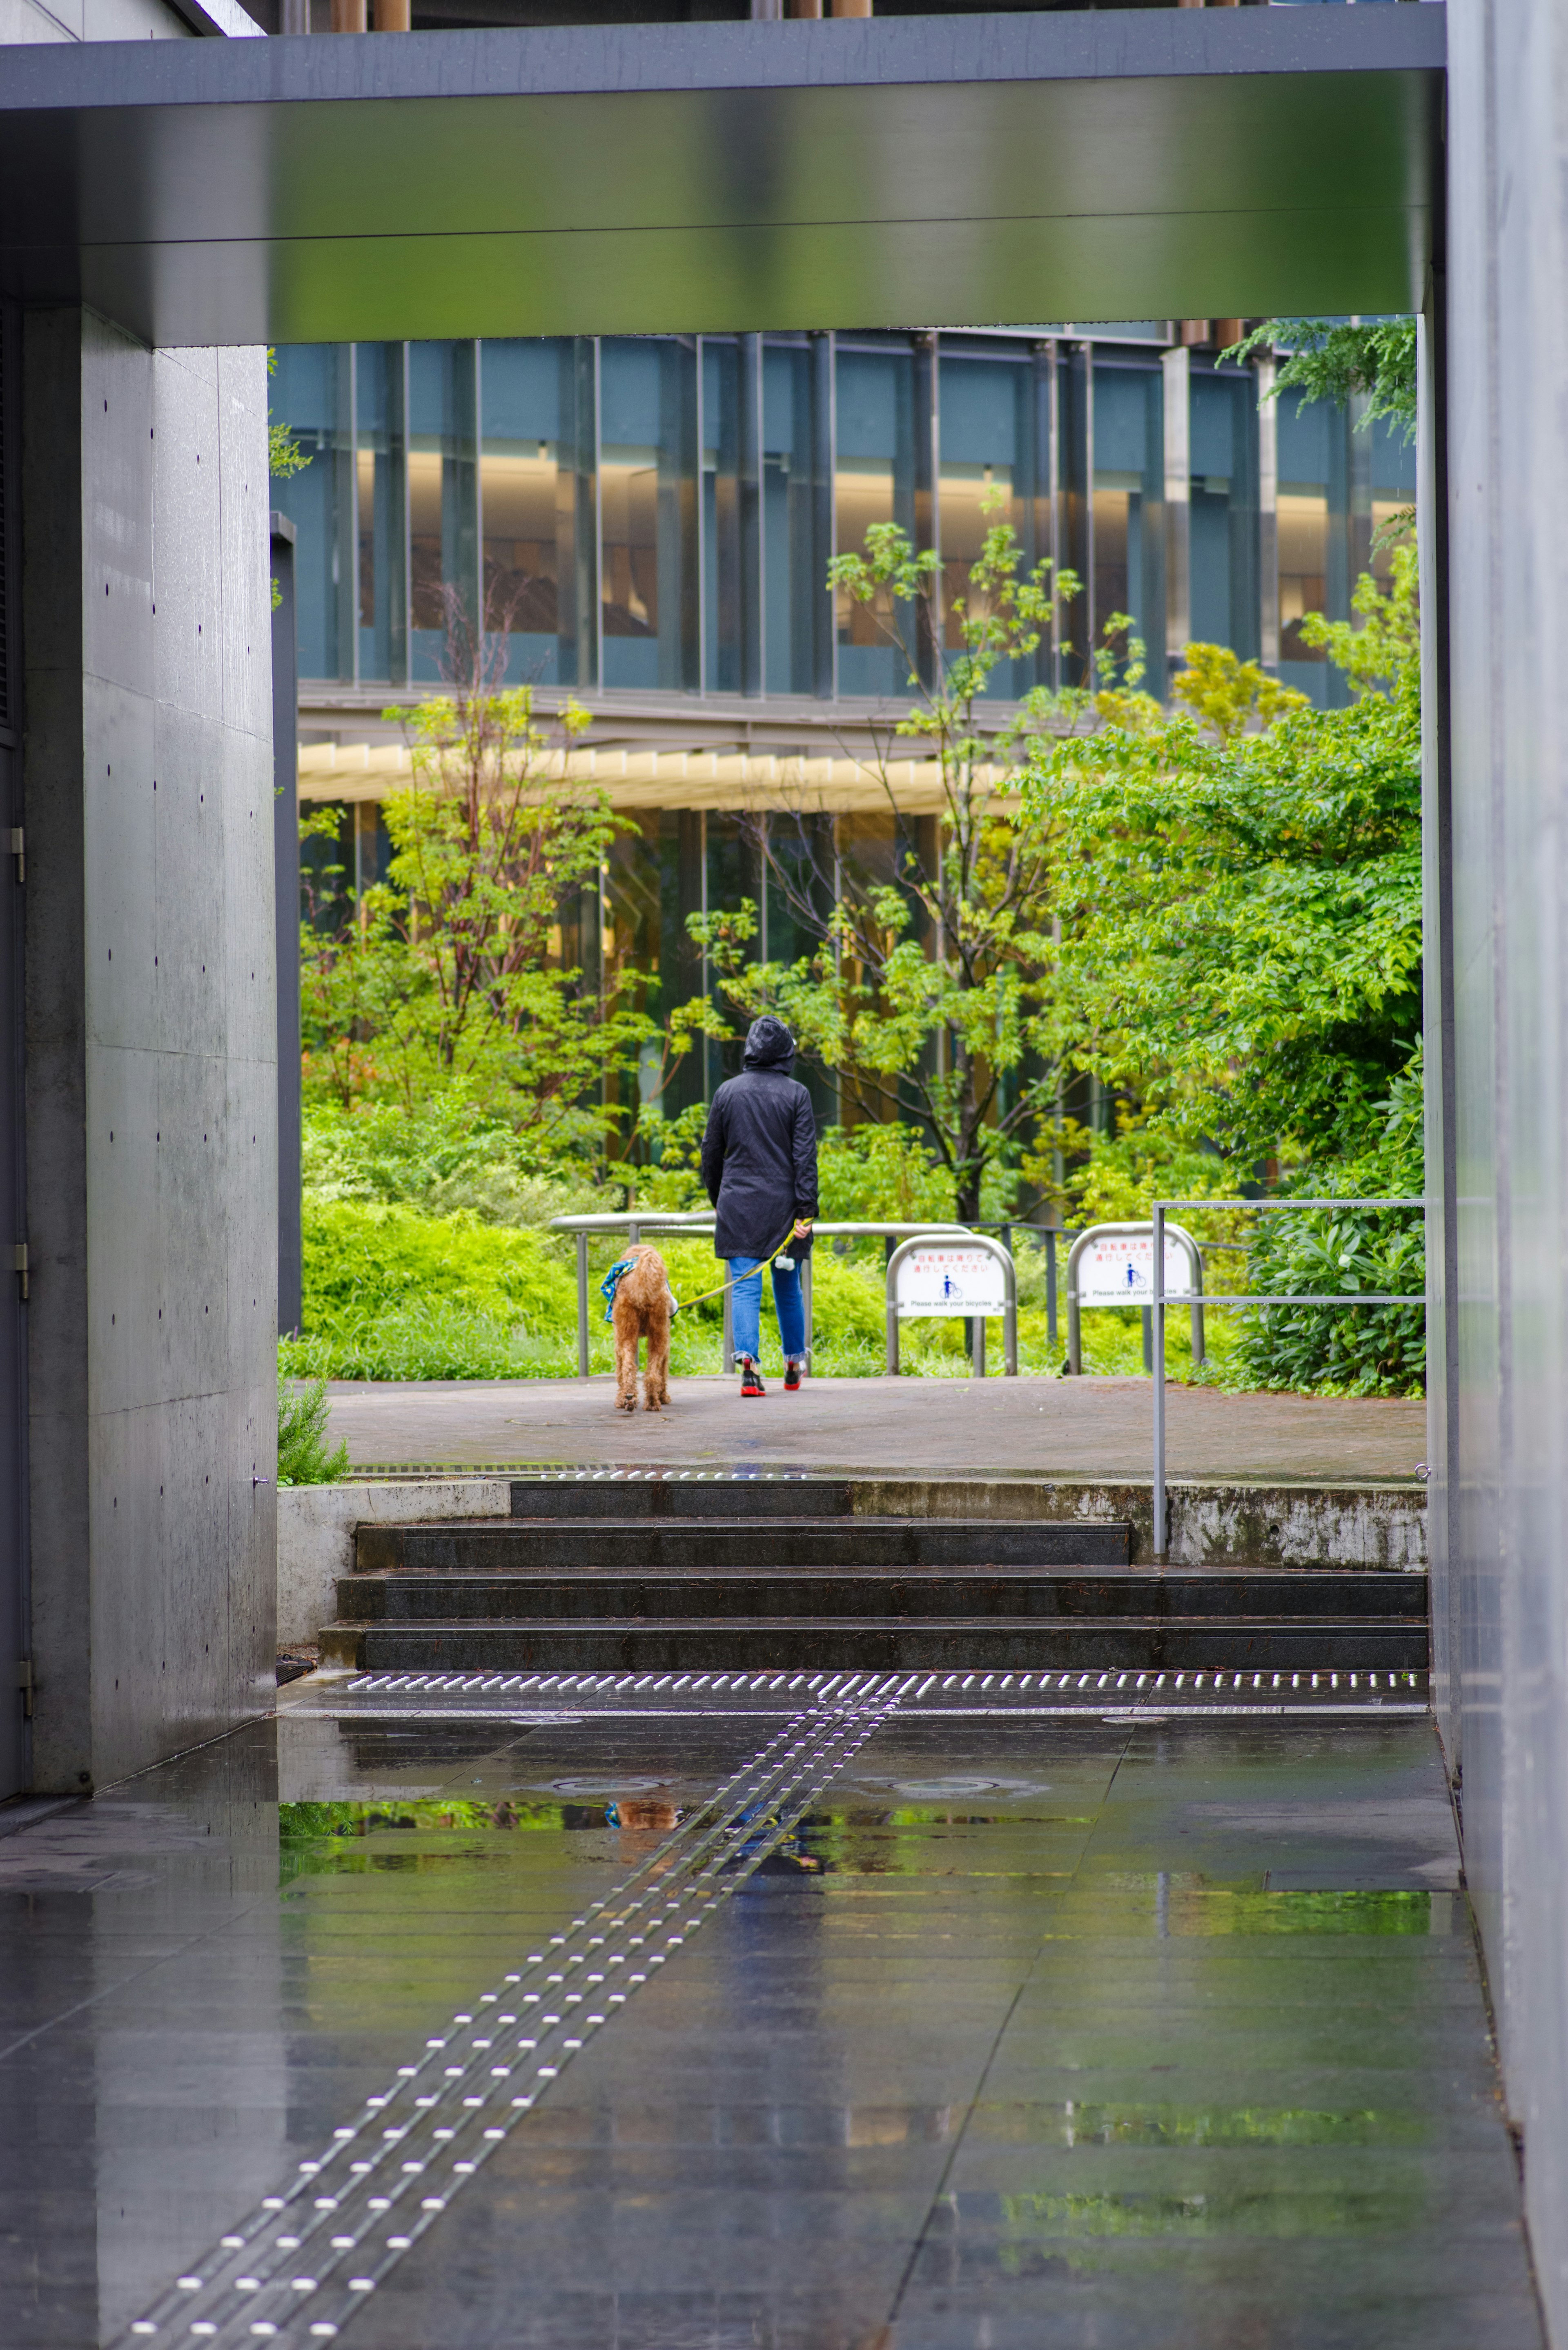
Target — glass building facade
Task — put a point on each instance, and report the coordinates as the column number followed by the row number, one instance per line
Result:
column 648, row 523
column 654, row 516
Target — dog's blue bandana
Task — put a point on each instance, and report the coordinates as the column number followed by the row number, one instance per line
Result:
column 607, row 1285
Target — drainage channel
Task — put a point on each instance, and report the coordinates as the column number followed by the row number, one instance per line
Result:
column 300, row 2265
column 1329, row 1691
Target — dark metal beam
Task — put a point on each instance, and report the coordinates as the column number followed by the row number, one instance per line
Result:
column 914, row 170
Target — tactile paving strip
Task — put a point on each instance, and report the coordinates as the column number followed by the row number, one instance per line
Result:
column 304, row 2259
column 522, row 1696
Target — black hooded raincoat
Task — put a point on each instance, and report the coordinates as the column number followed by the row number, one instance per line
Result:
column 758, row 1152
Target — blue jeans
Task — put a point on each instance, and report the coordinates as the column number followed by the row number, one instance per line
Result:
column 747, row 1306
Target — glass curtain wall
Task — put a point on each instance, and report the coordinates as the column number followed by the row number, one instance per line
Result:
column 1393, row 486
column 443, row 505
column 1129, row 511
column 312, row 390
column 670, row 506
column 648, row 501
column 988, row 470
column 1224, row 511
column 874, row 481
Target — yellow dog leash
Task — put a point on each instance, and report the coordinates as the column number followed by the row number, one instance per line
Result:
column 681, row 1304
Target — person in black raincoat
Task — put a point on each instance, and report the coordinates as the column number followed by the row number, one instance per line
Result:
column 759, row 1164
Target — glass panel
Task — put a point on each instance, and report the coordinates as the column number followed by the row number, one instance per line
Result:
column 1313, row 560
column 379, row 456
column 527, row 495
column 722, row 587
column 789, row 536
column 734, row 871
column 1224, row 524
column 1129, row 505
column 443, row 501
column 309, row 394
column 648, row 487
column 985, row 446
column 874, row 481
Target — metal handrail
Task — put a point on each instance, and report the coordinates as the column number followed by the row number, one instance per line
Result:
column 693, row 1223
column 1253, row 1207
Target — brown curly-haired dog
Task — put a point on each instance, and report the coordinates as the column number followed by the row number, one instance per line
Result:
column 642, row 1310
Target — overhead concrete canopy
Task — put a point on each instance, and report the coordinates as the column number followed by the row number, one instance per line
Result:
column 930, row 171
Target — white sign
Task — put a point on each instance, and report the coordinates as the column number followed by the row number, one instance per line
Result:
column 951, row 1279
column 1119, row 1269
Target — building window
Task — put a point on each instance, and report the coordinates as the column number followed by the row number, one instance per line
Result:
column 795, row 568
column 443, row 502
column 311, row 392
column 874, row 481
column 1129, row 506
column 1224, row 511
column 987, row 449
column 648, row 494
column 1313, row 545
column 380, row 478
column 527, row 503
column 1393, row 486
column 724, row 588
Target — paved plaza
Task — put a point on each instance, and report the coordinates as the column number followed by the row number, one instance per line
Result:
column 1022, row 1427
column 812, row 2029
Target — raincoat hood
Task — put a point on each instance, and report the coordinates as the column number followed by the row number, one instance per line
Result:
column 769, row 1045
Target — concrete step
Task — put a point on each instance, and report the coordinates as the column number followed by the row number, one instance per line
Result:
column 593, row 1545
column 692, row 1496
column 820, row 1594
column 837, row 1643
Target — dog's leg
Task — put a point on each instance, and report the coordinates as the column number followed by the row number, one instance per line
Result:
column 625, row 1365
column 655, row 1379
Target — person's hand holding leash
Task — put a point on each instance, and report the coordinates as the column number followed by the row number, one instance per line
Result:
column 802, row 1228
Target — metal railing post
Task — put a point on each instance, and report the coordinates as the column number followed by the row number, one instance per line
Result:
column 1051, row 1288
column 977, row 1360
column 582, row 1306
column 728, row 1340
column 1160, row 1527
column 804, row 1262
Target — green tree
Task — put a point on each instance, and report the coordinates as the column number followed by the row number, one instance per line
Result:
column 930, row 989
column 1331, row 358
column 1241, row 917
column 450, row 974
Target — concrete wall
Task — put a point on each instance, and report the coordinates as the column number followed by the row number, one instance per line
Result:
column 1500, row 1598
column 150, row 1062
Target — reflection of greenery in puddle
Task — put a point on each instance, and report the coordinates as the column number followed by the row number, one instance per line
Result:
column 1292, row 2211
column 1217, row 2125
column 353, row 1836
column 1221, row 1911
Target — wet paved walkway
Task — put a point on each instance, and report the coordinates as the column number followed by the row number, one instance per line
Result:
column 1090, row 1428
column 1019, row 2033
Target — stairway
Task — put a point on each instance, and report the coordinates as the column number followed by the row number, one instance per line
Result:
column 752, row 1575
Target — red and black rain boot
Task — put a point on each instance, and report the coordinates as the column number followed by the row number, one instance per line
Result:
column 750, row 1378
column 794, row 1369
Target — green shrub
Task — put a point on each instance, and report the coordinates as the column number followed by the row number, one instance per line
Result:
column 302, row 1455
column 360, row 1259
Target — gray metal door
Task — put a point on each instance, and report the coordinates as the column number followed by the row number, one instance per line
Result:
column 16, row 1672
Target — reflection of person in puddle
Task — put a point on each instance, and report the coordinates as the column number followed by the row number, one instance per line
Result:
column 652, row 1814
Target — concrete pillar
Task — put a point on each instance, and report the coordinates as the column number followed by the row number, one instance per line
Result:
column 150, row 1076
column 1502, row 1493
column 285, row 888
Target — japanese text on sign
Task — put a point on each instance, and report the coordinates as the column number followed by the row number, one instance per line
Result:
column 954, row 1280
column 1119, row 1269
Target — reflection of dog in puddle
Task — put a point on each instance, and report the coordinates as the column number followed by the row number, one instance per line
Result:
column 642, row 1309
column 649, row 1815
